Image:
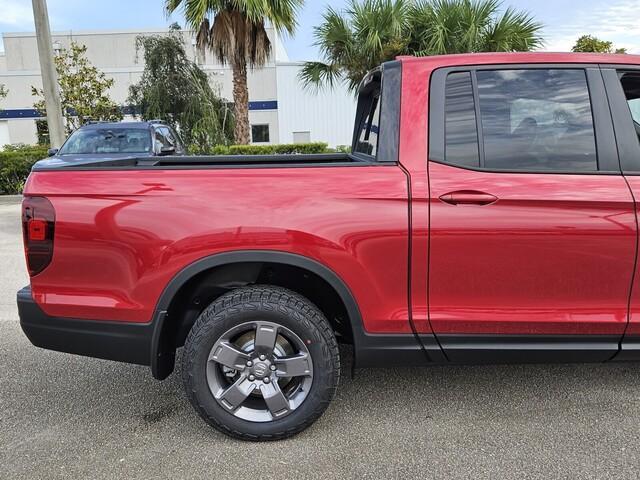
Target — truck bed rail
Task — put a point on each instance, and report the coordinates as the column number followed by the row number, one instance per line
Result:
column 200, row 161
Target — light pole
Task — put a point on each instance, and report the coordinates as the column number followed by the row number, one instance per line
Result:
column 49, row 75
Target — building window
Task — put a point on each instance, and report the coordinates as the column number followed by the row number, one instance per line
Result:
column 260, row 133
column 42, row 130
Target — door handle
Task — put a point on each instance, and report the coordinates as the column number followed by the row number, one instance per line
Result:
column 468, row 197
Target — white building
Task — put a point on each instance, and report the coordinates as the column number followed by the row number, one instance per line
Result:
column 281, row 110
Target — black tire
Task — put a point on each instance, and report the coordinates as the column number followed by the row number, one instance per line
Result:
column 278, row 306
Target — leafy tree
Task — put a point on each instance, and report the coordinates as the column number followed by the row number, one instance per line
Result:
column 175, row 89
column 589, row 43
column 460, row 26
column 234, row 30
column 369, row 32
column 84, row 90
column 357, row 40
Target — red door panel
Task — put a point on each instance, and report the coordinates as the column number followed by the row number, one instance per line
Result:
column 622, row 87
column 633, row 330
column 515, row 253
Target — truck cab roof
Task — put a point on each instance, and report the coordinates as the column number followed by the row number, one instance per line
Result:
column 523, row 57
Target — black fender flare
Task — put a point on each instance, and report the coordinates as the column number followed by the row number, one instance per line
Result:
column 162, row 361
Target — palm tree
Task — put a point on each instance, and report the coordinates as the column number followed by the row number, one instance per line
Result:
column 356, row 40
column 370, row 32
column 234, row 30
column 460, row 26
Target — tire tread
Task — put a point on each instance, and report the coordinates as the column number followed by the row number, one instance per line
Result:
column 255, row 298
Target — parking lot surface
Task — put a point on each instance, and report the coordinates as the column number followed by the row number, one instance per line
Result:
column 64, row 416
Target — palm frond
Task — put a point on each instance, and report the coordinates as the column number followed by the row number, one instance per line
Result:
column 317, row 75
column 459, row 26
column 333, row 36
column 235, row 29
column 355, row 40
column 513, row 31
column 282, row 14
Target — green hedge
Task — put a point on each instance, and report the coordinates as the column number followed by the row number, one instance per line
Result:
column 282, row 149
column 15, row 164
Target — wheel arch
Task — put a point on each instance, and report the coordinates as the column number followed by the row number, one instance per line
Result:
column 163, row 346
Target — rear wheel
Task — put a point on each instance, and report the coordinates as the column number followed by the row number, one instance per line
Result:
column 261, row 363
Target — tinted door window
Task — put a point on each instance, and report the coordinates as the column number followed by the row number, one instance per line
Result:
column 177, row 140
column 461, row 136
column 160, row 141
column 631, row 86
column 536, row 119
column 169, row 136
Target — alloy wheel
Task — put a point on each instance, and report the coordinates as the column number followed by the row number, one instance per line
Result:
column 259, row 371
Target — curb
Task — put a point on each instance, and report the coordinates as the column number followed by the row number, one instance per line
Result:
column 10, row 199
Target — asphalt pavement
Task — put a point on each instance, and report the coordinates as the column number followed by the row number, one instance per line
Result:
column 64, row 416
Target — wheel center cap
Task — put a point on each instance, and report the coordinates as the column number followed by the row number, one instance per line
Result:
column 260, row 369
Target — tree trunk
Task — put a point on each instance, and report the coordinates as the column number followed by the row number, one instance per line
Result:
column 241, row 132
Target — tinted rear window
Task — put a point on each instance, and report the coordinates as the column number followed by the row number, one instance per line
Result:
column 530, row 120
column 369, row 121
column 107, row 140
column 461, row 147
column 537, row 119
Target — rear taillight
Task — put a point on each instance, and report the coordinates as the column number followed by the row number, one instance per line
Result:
column 38, row 223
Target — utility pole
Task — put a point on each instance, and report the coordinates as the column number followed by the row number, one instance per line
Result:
column 49, row 75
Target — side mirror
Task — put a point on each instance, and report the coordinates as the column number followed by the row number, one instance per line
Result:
column 51, row 152
column 167, row 150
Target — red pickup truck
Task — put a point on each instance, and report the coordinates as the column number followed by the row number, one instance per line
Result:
column 487, row 213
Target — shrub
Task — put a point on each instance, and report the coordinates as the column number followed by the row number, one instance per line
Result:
column 15, row 164
column 282, row 149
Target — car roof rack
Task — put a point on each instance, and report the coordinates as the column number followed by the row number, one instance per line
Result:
column 157, row 120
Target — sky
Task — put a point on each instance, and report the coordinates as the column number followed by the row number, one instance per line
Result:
column 564, row 20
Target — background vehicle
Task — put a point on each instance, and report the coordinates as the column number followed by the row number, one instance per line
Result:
column 119, row 140
column 486, row 214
